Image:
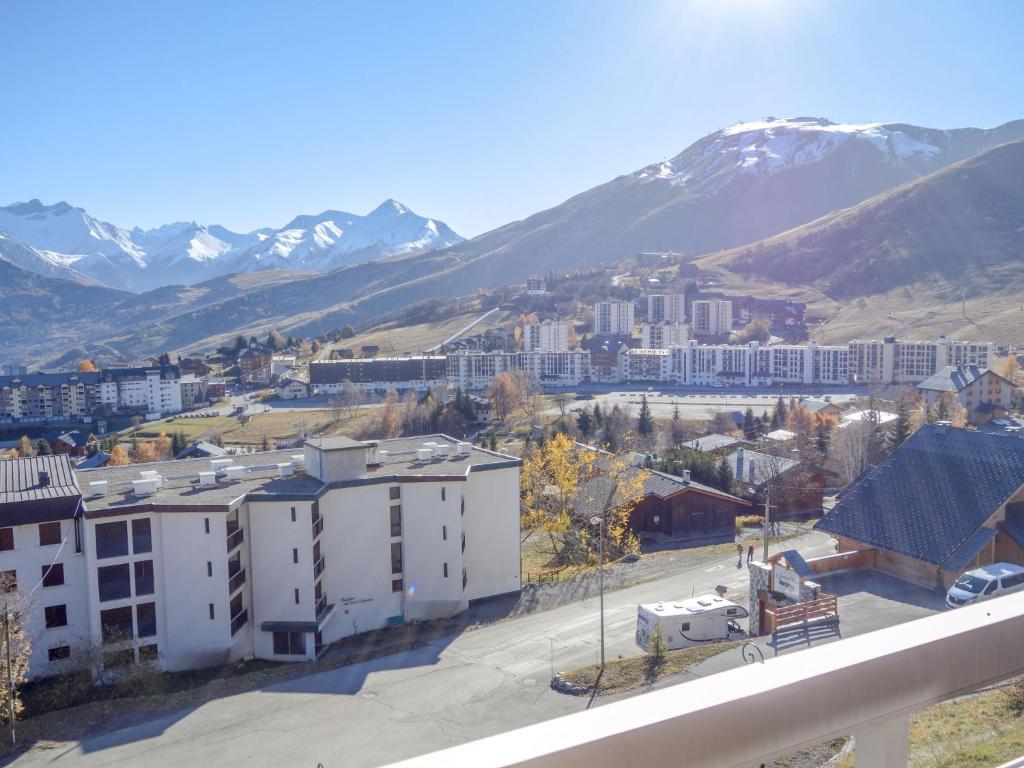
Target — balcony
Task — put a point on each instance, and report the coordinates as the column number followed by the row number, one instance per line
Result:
column 235, row 581
column 318, row 527
column 239, row 621
column 463, row 541
column 318, row 567
column 235, row 539
column 865, row 685
column 321, row 607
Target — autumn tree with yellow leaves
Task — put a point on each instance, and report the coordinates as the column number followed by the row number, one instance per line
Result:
column 564, row 484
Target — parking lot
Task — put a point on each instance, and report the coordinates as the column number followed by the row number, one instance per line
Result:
column 701, row 405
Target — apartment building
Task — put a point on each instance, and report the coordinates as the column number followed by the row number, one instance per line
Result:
column 30, row 397
column 666, row 308
column 471, row 370
column 152, row 391
column 536, row 286
column 269, row 555
column 983, row 393
column 379, row 374
column 663, row 335
column 548, row 336
column 711, row 317
column 646, row 365
column 254, row 366
column 613, row 318
column 892, row 361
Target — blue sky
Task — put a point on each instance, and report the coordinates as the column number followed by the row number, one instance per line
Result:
column 479, row 113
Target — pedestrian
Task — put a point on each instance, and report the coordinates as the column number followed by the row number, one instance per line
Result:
column 739, row 554
column 750, row 553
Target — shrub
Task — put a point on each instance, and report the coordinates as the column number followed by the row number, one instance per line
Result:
column 1014, row 693
column 748, row 521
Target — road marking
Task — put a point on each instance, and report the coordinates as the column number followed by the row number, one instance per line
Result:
column 714, row 568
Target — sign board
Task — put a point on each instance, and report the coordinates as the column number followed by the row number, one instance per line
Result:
column 787, row 582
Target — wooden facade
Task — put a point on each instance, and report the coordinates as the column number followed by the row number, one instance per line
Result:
column 690, row 516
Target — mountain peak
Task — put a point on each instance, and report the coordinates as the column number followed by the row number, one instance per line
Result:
column 389, row 207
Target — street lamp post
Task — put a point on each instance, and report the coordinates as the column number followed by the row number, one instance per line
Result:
column 599, row 522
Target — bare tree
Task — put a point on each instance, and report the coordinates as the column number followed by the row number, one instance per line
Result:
column 17, row 649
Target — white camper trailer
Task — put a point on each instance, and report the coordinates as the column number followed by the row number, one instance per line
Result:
column 702, row 619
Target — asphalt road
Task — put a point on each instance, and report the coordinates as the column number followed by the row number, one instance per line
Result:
column 482, row 682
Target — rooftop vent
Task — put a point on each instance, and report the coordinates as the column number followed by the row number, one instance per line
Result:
column 44, row 478
column 218, row 465
column 284, row 469
column 465, row 448
column 424, row 454
column 207, row 478
column 146, row 486
column 234, row 473
column 98, row 488
column 443, row 450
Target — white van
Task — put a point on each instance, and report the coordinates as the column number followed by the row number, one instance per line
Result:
column 985, row 582
column 703, row 619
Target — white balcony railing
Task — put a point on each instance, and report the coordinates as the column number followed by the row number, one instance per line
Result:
column 866, row 686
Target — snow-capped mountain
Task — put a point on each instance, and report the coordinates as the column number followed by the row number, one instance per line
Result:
column 63, row 241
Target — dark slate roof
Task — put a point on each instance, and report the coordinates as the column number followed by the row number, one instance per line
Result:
column 202, row 449
column 953, row 378
column 931, row 494
column 814, row 406
column 23, row 500
column 796, row 561
column 98, row 459
column 713, row 442
column 50, row 379
column 963, row 554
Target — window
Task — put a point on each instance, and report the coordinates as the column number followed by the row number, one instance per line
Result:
column 53, row 575
column 296, row 595
column 206, row 524
column 148, row 652
column 211, row 612
column 1009, row 582
column 395, row 492
column 236, row 604
column 992, row 585
column 8, row 581
column 145, row 619
column 111, row 540
column 209, row 569
column 114, row 582
column 396, row 520
column 396, row 585
column 290, row 643
column 442, row 494
column 142, row 539
column 295, row 555
column 446, row 570
column 6, row 539
column 58, row 653
column 684, row 627
column 49, row 533
column 56, row 616
column 293, row 514
column 116, row 624
column 144, row 577
column 396, row 558
column 444, row 533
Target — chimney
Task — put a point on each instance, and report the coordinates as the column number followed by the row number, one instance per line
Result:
column 44, row 478
column 686, row 475
column 739, row 464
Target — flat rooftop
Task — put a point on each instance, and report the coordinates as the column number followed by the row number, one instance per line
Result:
column 691, row 606
column 181, row 488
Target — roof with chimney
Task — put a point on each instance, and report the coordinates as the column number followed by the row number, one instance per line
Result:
column 755, row 468
column 931, row 498
column 954, row 378
column 37, row 489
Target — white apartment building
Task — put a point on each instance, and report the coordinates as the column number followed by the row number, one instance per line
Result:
column 613, row 318
column 548, row 336
column 892, row 361
column 144, row 390
column 646, row 365
column 663, row 335
column 377, row 375
column 711, row 317
column 472, row 370
column 268, row 555
column 666, row 308
column 536, row 286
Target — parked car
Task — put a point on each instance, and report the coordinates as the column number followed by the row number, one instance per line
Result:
column 983, row 583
